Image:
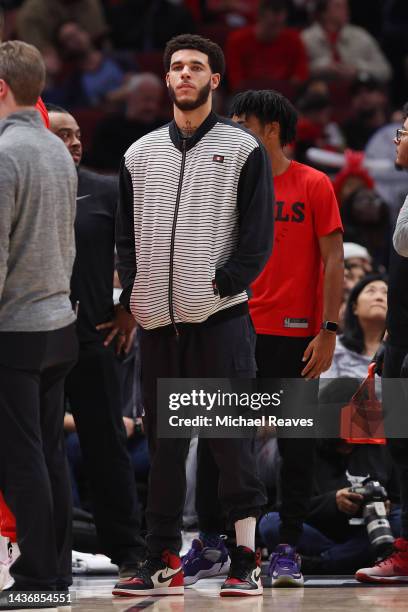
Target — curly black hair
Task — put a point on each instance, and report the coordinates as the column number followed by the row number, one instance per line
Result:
column 214, row 52
column 267, row 106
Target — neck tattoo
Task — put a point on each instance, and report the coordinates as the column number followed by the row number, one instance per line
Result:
column 187, row 130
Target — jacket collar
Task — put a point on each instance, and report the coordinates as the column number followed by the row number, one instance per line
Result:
column 26, row 118
column 205, row 127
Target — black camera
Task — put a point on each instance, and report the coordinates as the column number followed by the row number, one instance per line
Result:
column 374, row 515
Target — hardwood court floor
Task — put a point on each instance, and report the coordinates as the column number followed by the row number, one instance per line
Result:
column 94, row 595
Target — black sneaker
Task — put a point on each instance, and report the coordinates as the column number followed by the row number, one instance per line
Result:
column 244, row 576
column 157, row 576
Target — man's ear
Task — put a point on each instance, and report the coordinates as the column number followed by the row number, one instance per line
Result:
column 167, row 79
column 4, row 89
column 215, row 80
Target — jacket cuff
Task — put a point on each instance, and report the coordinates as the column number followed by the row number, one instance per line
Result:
column 223, row 284
column 124, row 298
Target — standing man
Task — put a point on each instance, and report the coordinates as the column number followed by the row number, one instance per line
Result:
column 295, row 308
column 195, row 228
column 38, row 344
column 394, row 568
column 93, row 387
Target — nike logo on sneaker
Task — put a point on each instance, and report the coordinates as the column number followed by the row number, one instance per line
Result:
column 162, row 577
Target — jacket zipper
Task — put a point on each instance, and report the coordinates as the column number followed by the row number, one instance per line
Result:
column 173, row 237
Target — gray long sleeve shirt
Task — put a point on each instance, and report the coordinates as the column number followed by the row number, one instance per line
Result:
column 38, row 188
column 400, row 238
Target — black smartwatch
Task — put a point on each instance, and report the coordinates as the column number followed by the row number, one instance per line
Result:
column 330, row 326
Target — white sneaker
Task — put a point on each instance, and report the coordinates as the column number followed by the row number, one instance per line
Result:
column 9, row 552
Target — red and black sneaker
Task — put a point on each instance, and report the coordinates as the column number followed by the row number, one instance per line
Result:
column 244, row 576
column 391, row 570
column 156, row 576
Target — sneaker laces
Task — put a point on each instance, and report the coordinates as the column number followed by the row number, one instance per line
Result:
column 239, row 567
column 290, row 559
column 149, row 567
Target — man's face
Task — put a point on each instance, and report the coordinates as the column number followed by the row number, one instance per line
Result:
column 75, row 41
column 338, row 12
column 144, row 104
column 190, row 79
column 251, row 123
column 401, row 160
column 65, row 127
column 270, row 24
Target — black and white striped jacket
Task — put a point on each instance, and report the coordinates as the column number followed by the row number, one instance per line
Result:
column 195, row 223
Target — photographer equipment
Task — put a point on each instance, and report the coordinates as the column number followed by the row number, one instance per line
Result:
column 374, row 515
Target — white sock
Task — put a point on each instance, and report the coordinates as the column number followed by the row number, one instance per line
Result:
column 245, row 532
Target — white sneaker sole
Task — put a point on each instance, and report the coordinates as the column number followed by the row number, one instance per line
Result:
column 219, row 569
column 287, row 581
column 231, row 592
column 179, row 590
column 381, row 579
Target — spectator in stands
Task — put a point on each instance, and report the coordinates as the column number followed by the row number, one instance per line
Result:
column 364, row 327
column 316, row 127
column 352, row 176
column 369, row 111
column 38, row 20
column 97, row 73
column 340, row 50
column 143, row 96
column 329, row 544
column 366, row 219
column 267, row 50
column 147, row 25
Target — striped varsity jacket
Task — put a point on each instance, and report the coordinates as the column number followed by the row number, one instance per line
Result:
column 195, row 223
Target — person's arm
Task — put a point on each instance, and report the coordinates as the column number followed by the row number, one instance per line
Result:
column 372, row 59
column 400, row 237
column 300, row 66
column 125, row 236
column 255, row 202
column 7, row 211
column 319, row 353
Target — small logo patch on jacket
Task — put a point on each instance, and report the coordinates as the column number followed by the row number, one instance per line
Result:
column 218, row 158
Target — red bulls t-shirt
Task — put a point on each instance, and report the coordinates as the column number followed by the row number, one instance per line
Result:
column 288, row 295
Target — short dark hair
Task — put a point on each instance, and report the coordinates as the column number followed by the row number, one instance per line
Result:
column 54, row 108
column 273, row 6
column 267, row 106
column 405, row 111
column 214, row 52
column 22, row 68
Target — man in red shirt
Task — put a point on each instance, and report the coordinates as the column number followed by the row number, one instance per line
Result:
column 266, row 50
column 296, row 299
column 295, row 308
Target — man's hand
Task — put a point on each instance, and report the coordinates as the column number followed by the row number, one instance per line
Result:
column 319, row 354
column 129, row 426
column 348, row 502
column 123, row 326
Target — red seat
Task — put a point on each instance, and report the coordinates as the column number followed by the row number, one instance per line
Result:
column 150, row 61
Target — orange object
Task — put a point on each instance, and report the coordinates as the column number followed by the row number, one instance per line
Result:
column 40, row 106
column 362, row 420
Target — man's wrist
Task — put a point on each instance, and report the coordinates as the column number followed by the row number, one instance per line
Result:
column 330, row 326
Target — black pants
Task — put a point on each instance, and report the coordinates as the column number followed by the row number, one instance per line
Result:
column 276, row 357
column 94, row 393
column 225, row 349
column 393, row 360
column 281, row 357
column 34, row 475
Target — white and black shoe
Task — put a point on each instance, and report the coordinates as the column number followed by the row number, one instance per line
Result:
column 9, row 552
column 156, row 576
column 244, row 577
